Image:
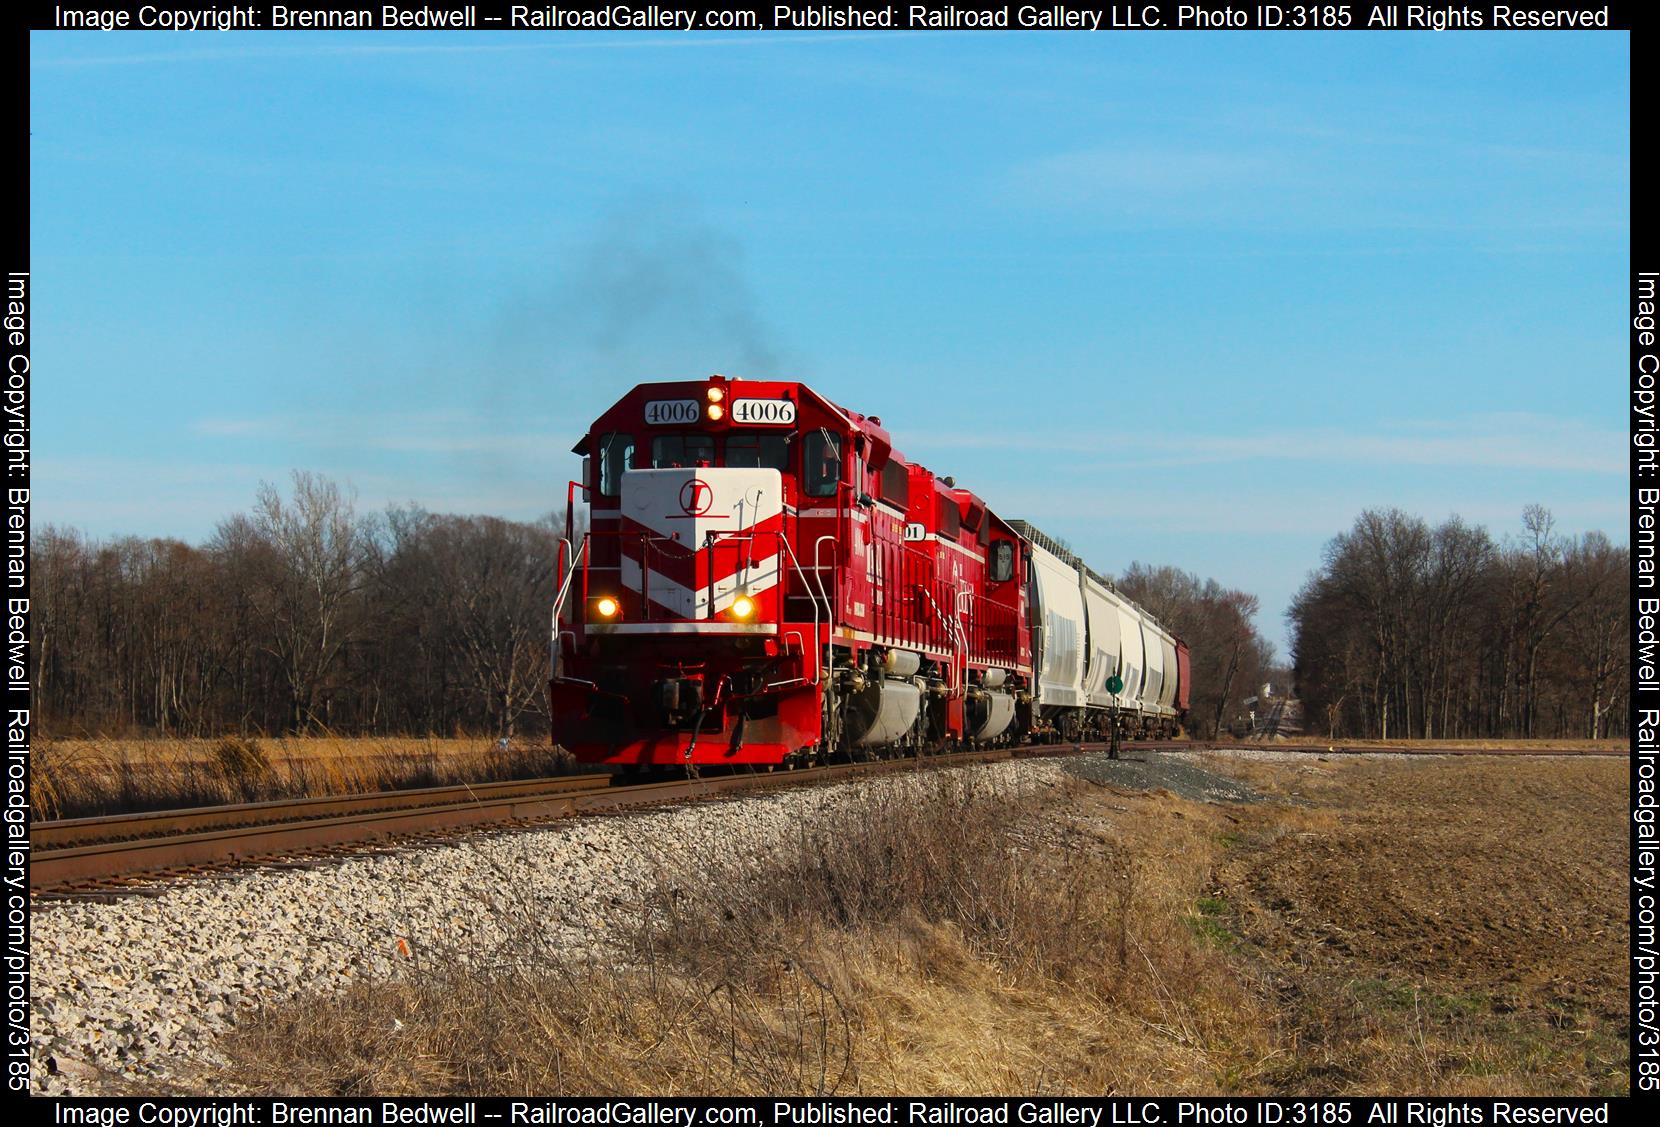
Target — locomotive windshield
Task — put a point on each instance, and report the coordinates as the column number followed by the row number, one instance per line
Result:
column 677, row 451
column 821, row 468
column 759, row 450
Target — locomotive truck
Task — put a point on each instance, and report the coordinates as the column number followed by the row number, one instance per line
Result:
column 753, row 575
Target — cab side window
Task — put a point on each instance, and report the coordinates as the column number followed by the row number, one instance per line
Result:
column 616, row 454
column 821, row 469
column 1002, row 562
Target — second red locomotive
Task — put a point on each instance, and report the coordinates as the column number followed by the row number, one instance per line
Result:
column 754, row 575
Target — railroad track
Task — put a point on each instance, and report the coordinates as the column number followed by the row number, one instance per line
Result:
column 79, row 855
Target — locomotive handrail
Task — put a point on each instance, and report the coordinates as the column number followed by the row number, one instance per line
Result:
column 570, row 574
column 712, row 538
column 826, row 656
column 783, row 592
column 959, row 643
column 559, row 603
column 587, row 555
column 963, row 598
column 796, row 634
column 818, row 578
column 992, row 628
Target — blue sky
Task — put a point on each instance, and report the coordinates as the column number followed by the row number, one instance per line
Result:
column 1193, row 299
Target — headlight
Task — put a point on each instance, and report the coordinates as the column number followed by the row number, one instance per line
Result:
column 743, row 607
column 716, row 394
column 606, row 606
column 716, row 411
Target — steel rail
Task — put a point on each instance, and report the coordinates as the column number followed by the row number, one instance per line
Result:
column 83, row 851
column 73, row 865
column 64, row 832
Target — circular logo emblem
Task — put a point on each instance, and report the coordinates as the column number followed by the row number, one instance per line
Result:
column 696, row 497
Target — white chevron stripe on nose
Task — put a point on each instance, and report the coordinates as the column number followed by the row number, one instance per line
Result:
column 683, row 602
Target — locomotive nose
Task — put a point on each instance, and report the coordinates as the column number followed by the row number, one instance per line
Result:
column 703, row 542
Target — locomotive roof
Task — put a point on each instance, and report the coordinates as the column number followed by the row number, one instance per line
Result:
column 1049, row 544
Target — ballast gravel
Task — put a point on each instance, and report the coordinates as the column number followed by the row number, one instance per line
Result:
column 1174, row 771
column 127, row 992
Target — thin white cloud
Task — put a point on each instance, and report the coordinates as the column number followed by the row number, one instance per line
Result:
column 421, row 432
column 1090, row 176
column 187, row 499
column 108, row 471
column 144, row 497
column 1133, row 516
column 233, row 428
column 1501, row 441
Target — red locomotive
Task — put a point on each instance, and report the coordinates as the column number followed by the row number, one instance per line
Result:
column 754, row 575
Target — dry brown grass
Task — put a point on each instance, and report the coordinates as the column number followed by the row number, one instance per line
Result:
column 72, row 778
column 1391, row 927
column 960, row 943
column 1449, row 925
column 1509, row 744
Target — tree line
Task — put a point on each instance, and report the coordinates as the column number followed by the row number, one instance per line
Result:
column 305, row 615
column 1412, row 631
column 302, row 615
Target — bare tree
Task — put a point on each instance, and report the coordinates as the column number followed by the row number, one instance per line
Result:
column 316, row 551
column 1407, row 630
column 297, row 614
